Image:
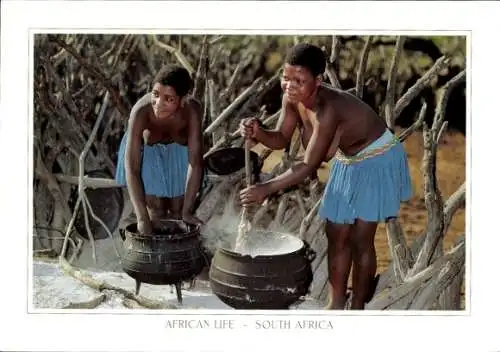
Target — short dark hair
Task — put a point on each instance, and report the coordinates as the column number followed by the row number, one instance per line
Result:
column 308, row 56
column 176, row 77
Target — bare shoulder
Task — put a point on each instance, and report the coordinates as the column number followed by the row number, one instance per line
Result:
column 194, row 105
column 194, row 112
column 143, row 103
column 329, row 101
column 140, row 111
column 330, row 95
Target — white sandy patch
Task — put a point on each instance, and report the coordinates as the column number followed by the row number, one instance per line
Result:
column 54, row 289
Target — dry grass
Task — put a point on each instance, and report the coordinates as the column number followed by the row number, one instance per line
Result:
column 413, row 216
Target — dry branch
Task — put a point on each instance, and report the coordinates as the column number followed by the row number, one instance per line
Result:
column 401, row 255
column 434, row 204
column 96, row 73
column 425, row 80
column 450, row 297
column 88, row 182
column 216, row 39
column 116, row 57
column 332, row 65
column 87, row 226
column 93, row 303
column 70, row 227
column 308, row 219
column 390, row 116
column 214, row 107
column 401, row 262
column 81, row 171
column 230, row 109
column 104, row 226
column 100, row 286
column 272, row 119
column 45, row 252
column 177, row 53
column 82, row 197
column 335, row 49
column 384, row 300
column 201, row 74
column 51, row 183
column 282, row 206
column 233, row 138
column 215, row 57
column 455, row 202
column 416, row 125
column 438, row 122
column 360, row 78
column 433, row 198
column 255, row 99
column 64, row 124
column 234, row 79
column 145, row 52
column 64, row 94
column 432, row 291
column 300, row 202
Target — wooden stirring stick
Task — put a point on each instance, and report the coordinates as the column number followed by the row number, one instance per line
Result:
column 244, row 226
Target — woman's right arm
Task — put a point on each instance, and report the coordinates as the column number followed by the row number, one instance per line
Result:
column 133, row 169
column 280, row 137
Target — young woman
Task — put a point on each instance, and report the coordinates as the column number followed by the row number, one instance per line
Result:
column 160, row 158
column 368, row 180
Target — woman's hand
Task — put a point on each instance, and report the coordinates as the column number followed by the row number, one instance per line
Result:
column 145, row 227
column 249, row 128
column 254, row 194
column 191, row 219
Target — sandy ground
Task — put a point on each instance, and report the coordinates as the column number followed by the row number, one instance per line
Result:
column 53, row 289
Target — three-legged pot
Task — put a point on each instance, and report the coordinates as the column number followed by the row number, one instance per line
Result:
column 173, row 254
column 274, row 272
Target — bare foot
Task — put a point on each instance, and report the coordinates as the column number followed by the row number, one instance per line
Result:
column 335, row 304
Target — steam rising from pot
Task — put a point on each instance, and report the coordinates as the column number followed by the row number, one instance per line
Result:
column 221, row 231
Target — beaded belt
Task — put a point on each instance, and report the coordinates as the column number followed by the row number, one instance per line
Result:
column 366, row 155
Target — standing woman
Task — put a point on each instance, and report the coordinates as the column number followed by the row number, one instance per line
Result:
column 160, row 159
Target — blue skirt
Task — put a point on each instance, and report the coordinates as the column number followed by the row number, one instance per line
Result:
column 163, row 168
column 370, row 189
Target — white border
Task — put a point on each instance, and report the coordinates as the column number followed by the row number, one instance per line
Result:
column 328, row 18
column 33, row 32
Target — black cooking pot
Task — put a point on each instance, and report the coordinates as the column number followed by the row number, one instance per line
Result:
column 226, row 161
column 171, row 255
column 272, row 273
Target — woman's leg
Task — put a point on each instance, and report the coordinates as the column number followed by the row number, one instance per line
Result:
column 339, row 263
column 364, row 261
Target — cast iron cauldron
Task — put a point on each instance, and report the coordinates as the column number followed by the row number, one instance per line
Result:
column 272, row 273
column 173, row 254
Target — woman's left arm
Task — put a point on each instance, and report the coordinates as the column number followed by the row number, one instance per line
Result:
column 195, row 156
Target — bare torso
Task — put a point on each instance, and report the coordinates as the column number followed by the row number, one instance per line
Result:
column 174, row 130
column 358, row 123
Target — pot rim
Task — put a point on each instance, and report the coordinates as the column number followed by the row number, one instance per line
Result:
column 305, row 246
column 193, row 230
